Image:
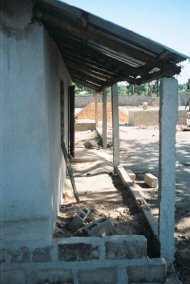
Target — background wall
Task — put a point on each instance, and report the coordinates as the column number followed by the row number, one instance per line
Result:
column 130, row 100
column 123, row 100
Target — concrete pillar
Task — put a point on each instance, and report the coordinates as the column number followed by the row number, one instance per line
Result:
column 115, row 126
column 167, row 159
column 104, row 119
column 96, row 110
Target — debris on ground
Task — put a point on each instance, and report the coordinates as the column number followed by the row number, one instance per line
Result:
column 186, row 128
column 99, row 228
column 88, row 145
column 78, row 220
column 117, row 206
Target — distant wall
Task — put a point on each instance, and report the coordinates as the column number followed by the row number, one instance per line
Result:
column 151, row 117
column 184, row 98
column 135, row 100
column 81, row 102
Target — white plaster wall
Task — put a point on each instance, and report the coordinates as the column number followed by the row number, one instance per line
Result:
column 31, row 163
column 24, row 120
column 55, row 70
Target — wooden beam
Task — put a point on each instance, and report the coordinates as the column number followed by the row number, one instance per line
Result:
column 96, row 109
column 91, row 51
column 102, row 39
column 157, row 75
column 84, row 61
column 71, row 97
column 87, row 70
column 91, row 86
column 86, row 77
column 78, row 46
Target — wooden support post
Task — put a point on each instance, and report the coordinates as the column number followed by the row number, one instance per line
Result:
column 72, row 121
column 62, row 104
column 96, row 109
column 167, row 159
column 115, row 126
column 70, row 171
column 104, row 119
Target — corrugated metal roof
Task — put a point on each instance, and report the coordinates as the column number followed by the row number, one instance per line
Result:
column 99, row 53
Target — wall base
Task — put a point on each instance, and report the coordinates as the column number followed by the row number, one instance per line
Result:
column 114, row 259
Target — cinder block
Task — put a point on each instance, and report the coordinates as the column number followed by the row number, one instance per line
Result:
column 126, row 247
column 122, row 173
column 13, row 277
column 98, row 228
column 20, row 255
column 12, row 255
column 101, row 275
column 83, row 126
column 151, row 180
column 5, row 256
column 78, row 252
column 153, row 271
column 79, row 219
column 41, row 254
column 2, row 256
column 51, row 276
column 75, row 223
column 131, row 174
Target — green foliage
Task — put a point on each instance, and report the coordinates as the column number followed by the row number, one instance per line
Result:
column 151, row 89
column 148, row 89
column 83, row 91
column 184, row 88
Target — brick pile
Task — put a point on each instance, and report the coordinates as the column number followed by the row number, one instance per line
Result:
column 89, row 113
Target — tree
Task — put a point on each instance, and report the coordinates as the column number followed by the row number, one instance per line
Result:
column 188, row 85
column 81, row 90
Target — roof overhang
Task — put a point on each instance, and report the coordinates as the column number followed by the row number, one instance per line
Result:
column 99, row 53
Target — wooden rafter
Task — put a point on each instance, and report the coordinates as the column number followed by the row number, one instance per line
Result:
column 88, row 71
column 90, row 51
column 87, row 77
column 157, row 75
column 89, row 85
column 103, row 40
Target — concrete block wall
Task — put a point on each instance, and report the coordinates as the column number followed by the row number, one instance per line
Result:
column 184, row 97
column 143, row 117
column 83, row 126
column 135, row 100
column 151, row 117
column 182, row 117
column 114, row 259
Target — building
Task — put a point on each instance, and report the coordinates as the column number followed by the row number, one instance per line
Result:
column 46, row 47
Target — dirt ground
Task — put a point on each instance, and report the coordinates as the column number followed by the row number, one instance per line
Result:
column 100, row 191
column 139, row 151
